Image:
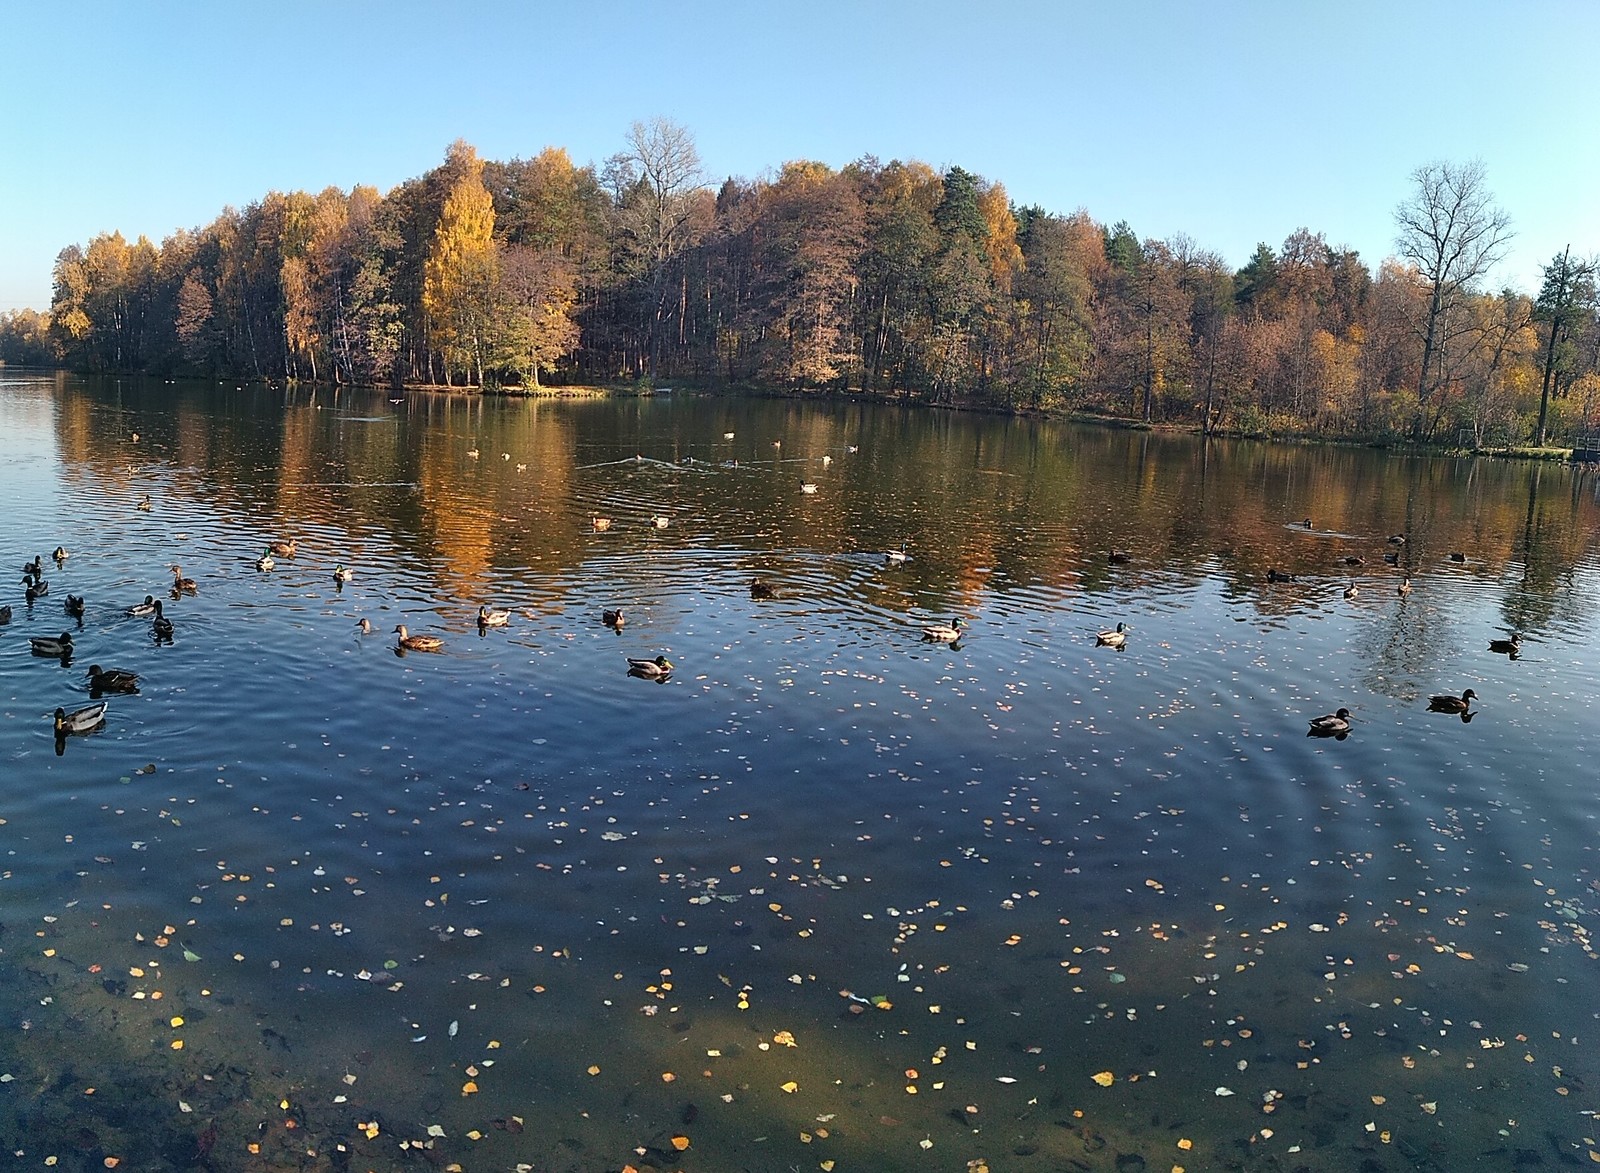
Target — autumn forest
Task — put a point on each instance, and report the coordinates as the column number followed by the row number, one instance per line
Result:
column 889, row 279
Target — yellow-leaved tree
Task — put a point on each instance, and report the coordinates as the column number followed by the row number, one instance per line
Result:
column 459, row 277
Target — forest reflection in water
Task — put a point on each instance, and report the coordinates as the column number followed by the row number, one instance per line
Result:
column 865, row 897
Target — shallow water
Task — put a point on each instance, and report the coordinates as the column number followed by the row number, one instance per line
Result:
column 1020, row 901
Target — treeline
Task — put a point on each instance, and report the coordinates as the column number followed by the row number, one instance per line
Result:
column 890, row 279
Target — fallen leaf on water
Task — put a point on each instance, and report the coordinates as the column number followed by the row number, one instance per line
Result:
column 680, row 1143
column 1223, row 1091
column 1104, row 1078
column 791, row 1087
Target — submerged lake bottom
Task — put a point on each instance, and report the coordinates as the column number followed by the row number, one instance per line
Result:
column 831, row 895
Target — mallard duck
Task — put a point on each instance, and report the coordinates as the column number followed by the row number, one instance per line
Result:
column 1306, row 524
column 140, row 610
column 1507, row 647
column 1354, row 560
column 364, row 626
column 895, row 557
column 74, row 606
column 284, row 549
column 473, row 453
column 1397, row 539
column 184, row 586
column 161, row 626
column 760, row 588
column 265, row 562
column 417, row 643
column 144, row 504
column 1404, row 588
column 35, row 588
column 5, row 614
column 342, row 574
column 656, row 669
column 60, row 554
column 945, row 633
column 491, row 618
column 112, row 680
column 1451, row 704
column 1331, row 725
column 600, row 524
column 808, row 486
column 1276, row 575
column 1457, row 556
column 1351, row 591
column 1392, row 559
column 79, row 720
column 52, row 645
column 661, row 521
column 613, row 618
column 34, row 568
column 1118, row 556
column 1112, row 639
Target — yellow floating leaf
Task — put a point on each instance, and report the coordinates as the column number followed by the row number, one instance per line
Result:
column 469, row 1088
column 177, row 1020
column 1104, row 1078
column 791, row 1087
column 594, row 1069
column 112, row 1162
column 135, row 971
column 1185, row 1144
column 827, row 1166
column 667, row 1077
column 177, row 1044
column 784, row 1038
column 1380, row 1100
column 1465, row 956
column 49, row 952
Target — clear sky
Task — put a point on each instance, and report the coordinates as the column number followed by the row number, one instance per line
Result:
column 1231, row 122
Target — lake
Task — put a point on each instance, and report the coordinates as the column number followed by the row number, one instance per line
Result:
column 830, row 895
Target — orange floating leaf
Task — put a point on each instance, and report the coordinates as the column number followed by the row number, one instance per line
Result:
column 680, row 1143
column 1104, row 1078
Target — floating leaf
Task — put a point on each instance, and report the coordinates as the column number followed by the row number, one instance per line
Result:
column 1104, row 1078
column 680, row 1143
column 791, row 1087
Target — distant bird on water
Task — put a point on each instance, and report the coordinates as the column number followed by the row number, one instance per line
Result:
column 1452, row 704
column 417, row 643
column 1331, row 725
column 79, row 720
column 488, row 617
column 161, row 626
column 613, row 618
column 1507, row 647
column 52, row 645
column 657, row 669
column 112, row 680
column 1115, row 638
column 760, row 588
column 944, row 633
column 1404, row 588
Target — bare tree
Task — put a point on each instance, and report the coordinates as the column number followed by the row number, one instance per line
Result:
column 1451, row 230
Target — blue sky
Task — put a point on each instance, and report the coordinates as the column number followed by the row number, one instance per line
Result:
column 1230, row 122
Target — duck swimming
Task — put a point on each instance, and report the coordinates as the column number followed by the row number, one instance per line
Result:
column 364, row 626
column 1116, row 638
column 1404, row 588
column 895, row 557
column 60, row 555
column 342, row 574
column 181, row 585
column 161, row 626
column 945, row 633
column 140, row 610
column 1451, row 704
column 284, row 548
column 490, row 618
column 613, row 618
column 265, row 562
column 1507, row 647
column 74, row 606
column 760, row 588
column 657, row 669
column 52, row 645
column 112, row 680
column 417, row 643
column 1331, row 725
column 79, row 720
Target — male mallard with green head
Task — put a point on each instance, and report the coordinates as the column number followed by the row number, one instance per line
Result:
column 657, row 669
column 1115, row 638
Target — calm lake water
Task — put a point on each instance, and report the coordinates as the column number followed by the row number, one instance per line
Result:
column 831, row 896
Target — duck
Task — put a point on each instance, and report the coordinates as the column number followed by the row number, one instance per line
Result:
column 600, row 524
column 284, row 548
column 1276, row 575
column 1118, row 556
column 34, row 568
column 52, row 645
column 1351, row 591
column 944, row 633
column 760, row 588
column 183, row 586
column 140, row 610
column 727, row 435
column 35, row 588
column 161, row 625
column 1332, row 724
column 808, row 486
column 144, row 504
column 364, row 626
column 895, row 557
column 1306, row 524
column 60, row 554
column 5, row 614
column 492, row 618
column 1392, row 559
column 79, row 720
column 417, row 643
column 1458, row 556
column 1354, row 560
column 74, row 606
column 1507, row 647
column 342, row 574
column 613, row 618
column 852, row 448
column 473, row 453
column 1115, row 638
column 661, row 521
column 826, row 461
column 265, row 562
column 1404, row 588
column 1451, row 704
column 657, row 669
column 1397, row 539
column 112, row 680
